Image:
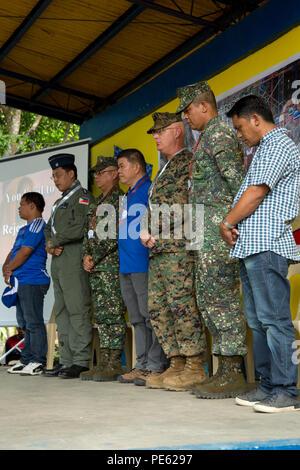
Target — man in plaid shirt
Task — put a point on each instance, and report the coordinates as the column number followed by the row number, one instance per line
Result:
column 258, row 228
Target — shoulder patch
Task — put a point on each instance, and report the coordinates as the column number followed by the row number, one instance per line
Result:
column 84, row 200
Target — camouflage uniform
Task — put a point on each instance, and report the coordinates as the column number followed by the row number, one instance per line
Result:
column 172, row 303
column 216, row 176
column 109, row 308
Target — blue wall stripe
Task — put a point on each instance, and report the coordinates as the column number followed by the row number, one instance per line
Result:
column 259, row 28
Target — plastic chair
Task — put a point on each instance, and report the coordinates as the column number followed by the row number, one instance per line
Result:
column 51, row 337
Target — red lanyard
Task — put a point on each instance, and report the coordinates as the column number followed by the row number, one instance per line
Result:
column 145, row 178
column 192, row 161
column 94, row 218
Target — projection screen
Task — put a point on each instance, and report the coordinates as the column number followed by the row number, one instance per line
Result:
column 31, row 172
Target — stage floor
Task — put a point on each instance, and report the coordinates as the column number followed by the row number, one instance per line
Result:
column 40, row 413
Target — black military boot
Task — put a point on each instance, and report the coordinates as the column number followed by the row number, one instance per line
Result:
column 227, row 384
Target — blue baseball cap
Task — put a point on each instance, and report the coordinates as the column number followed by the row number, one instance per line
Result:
column 10, row 293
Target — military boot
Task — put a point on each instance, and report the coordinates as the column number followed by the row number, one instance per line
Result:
column 213, row 377
column 228, row 384
column 113, row 368
column 89, row 374
column 194, row 371
column 177, row 364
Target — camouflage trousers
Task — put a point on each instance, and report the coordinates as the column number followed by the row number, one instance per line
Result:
column 219, row 300
column 109, row 309
column 172, row 305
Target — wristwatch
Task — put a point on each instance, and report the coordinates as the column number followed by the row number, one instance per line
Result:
column 227, row 224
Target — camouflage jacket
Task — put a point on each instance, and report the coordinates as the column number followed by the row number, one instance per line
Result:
column 217, row 174
column 218, row 168
column 169, row 188
column 103, row 248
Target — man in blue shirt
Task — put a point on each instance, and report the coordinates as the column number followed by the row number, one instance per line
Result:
column 263, row 210
column 134, row 264
column 27, row 262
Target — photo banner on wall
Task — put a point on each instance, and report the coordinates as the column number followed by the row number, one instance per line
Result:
column 281, row 90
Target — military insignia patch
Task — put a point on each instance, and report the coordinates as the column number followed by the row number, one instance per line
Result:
column 83, row 200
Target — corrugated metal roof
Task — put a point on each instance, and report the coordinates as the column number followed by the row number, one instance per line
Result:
column 70, row 58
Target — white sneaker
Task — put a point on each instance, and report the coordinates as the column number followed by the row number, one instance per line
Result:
column 33, row 368
column 16, row 368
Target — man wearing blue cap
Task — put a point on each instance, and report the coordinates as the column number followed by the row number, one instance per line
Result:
column 64, row 236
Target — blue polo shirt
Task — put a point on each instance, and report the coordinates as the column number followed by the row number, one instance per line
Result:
column 133, row 256
column 33, row 271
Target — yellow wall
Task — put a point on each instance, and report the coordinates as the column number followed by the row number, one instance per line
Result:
column 135, row 134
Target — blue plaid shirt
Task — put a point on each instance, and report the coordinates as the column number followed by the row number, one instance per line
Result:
column 276, row 163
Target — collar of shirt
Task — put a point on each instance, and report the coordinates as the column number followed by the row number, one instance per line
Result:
column 273, row 133
column 136, row 184
column 179, row 151
column 73, row 185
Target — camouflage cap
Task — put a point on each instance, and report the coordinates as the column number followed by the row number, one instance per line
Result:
column 162, row 120
column 104, row 162
column 188, row 93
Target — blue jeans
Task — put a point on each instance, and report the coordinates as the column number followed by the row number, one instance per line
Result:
column 266, row 295
column 30, row 307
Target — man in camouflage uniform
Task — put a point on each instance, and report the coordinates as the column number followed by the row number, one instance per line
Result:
column 172, row 302
column 64, row 234
column 216, row 175
column 101, row 260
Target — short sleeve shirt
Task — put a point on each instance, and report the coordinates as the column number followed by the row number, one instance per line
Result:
column 276, row 163
column 33, row 271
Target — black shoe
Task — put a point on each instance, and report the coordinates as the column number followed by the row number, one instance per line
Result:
column 55, row 371
column 72, row 372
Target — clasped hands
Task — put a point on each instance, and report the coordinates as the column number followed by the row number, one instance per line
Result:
column 147, row 240
column 229, row 236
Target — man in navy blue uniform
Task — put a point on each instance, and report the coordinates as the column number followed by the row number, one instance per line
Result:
column 134, row 265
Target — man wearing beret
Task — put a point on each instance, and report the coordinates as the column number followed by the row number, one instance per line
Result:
column 172, row 302
column 216, row 174
column 101, row 261
column 64, row 236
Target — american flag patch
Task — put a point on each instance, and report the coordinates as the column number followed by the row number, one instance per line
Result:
column 83, row 200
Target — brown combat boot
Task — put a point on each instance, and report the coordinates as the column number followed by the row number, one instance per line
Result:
column 113, row 368
column 194, row 371
column 89, row 374
column 129, row 377
column 177, row 364
column 213, row 377
column 228, row 384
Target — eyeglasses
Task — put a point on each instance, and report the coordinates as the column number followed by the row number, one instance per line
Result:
column 162, row 129
column 56, row 177
column 101, row 172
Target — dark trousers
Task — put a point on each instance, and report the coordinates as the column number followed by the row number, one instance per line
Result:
column 30, row 305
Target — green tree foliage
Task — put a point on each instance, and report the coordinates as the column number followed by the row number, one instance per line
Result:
column 22, row 131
